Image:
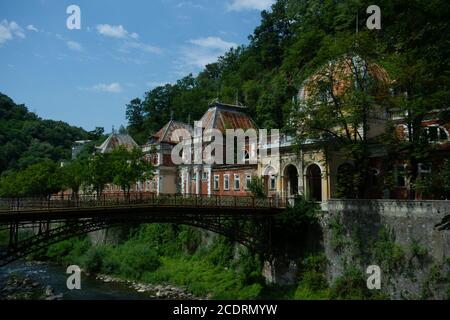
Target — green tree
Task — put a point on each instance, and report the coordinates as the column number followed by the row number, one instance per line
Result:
column 129, row 167
column 38, row 180
column 257, row 187
column 338, row 102
column 99, row 173
column 74, row 175
column 136, row 121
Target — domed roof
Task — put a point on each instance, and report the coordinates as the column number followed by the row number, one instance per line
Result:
column 344, row 73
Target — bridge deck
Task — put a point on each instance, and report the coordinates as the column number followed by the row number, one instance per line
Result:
column 62, row 208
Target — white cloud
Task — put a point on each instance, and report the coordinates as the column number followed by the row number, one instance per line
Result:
column 30, row 27
column 103, row 87
column 213, row 43
column 10, row 30
column 74, row 46
column 202, row 51
column 115, row 31
column 183, row 4
column 141, row 46
column 240, row 5
column 154, row 84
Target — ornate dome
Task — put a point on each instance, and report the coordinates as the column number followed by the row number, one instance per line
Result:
column 345, row 73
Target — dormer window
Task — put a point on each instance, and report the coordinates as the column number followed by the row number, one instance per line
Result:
column 436, row 134
column 424, row 168
column 246, row 155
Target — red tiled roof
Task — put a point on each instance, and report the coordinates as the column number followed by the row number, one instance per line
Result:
column 165, row 134
column 115, row 140
column 223, row 116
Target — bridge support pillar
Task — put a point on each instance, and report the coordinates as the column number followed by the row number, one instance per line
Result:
column 13, row 236
column 280, row 272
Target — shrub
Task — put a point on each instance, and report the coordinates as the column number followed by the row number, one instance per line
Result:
column 93, row 260
column 350, row 286
column 189, row 239
column 313, row 283
column 136, row 259
column 221, row 252
column 389, row 255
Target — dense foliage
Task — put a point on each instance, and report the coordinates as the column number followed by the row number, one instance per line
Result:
column 26, row 139
column 88, row 172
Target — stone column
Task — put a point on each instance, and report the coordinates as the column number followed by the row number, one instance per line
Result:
column 183, row 181
column 209, row 181
column 197, row 180
column 188, row 181
column 158, row 182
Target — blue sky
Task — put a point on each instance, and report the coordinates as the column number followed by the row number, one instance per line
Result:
column 124, row 48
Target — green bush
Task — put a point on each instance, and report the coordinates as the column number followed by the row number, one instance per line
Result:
column 136, row 259
column 93, row 260
column 189, row 239
column 387, row 253
column 4, row 238
column 313, row 284
column 248, row 266
column 350, row 286
column 221, row 252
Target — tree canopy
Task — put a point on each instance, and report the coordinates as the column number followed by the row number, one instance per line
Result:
column 26, row 139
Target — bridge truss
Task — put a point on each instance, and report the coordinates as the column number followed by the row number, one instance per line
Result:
column 245, row 220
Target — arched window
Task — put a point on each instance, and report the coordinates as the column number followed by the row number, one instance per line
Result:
column 374, row 177
column 435, row 133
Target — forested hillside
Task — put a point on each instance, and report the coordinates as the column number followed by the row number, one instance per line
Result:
column 292, row 41
column 26, row 139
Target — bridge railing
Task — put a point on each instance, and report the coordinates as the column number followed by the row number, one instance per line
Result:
column 118, row 199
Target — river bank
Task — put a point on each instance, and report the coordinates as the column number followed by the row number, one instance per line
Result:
column 29, row 280
column 155, row 291
column 17, row 287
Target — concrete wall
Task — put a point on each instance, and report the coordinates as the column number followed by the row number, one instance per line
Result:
column 351, row 231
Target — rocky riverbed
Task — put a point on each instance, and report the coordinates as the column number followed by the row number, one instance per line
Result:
column 164, row 292
column 17, row 287
column 25, row 280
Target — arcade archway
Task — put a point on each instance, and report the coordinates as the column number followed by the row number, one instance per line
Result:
column 290, row 181
column 314, row 183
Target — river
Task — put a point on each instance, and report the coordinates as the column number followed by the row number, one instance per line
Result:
column 55, row 277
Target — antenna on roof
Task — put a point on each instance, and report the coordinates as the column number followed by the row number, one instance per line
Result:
column 171, row 115
column 237, row 103
column 189, row 119
column 215, row 100
column 113, row 129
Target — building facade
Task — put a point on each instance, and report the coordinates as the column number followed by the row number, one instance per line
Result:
column 289, row 171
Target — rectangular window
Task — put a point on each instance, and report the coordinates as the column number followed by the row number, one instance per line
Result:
column 205, row 175
column 216, row 182
column 433, row 134
column 237, row 182
column 400, row 174
column 424, row 168
column 273, row 182
column 248, row 181
column 226, row 182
